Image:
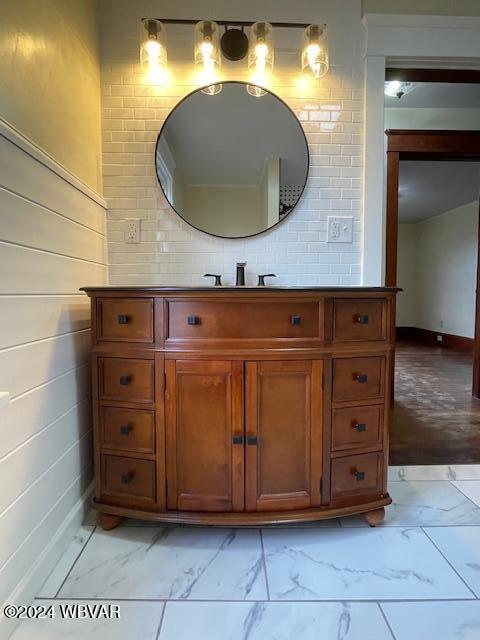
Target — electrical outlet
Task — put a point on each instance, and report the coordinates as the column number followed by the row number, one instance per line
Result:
column 439, row 338
column 340, row 229
column 132, row 230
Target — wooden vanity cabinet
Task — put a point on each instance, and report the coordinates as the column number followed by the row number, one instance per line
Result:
column 240, row 406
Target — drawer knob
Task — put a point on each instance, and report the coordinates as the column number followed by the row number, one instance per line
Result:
column 360, row 427
column 123, row 319
column 359, row 319
column 125, row 429
column 127, row 477
column 193, row 320
column 237, row 439
column 359, row 475
column 295, row 319
column 125, row 380
column 361, row 378
column 252, row 440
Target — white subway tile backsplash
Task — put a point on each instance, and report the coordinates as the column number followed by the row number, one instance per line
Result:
column 170, row 252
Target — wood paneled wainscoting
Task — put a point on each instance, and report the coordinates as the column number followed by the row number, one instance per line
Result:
column 241, row 406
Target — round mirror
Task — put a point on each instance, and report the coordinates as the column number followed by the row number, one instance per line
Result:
column 230, row 163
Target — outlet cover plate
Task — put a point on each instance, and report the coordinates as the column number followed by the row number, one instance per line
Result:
column 132, row 230
column 340, row 229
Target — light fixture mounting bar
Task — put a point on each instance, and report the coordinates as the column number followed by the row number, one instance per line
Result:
column 237, row 23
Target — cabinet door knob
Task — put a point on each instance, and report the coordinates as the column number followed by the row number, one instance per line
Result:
column 123, row 319
column 125, row 429
column 360, row 427
column 252, row 440
column 295, row 319
column 237, row 439
column 361, row 378
column 359, row 475
column 360, row 319
column 193, row 320
column 125, row 380
column 127, row 477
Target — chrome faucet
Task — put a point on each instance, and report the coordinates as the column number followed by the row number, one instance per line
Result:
column 240, row 281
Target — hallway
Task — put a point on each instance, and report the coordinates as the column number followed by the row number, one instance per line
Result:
column 435, row 419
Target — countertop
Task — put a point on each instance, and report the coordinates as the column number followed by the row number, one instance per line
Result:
column 244, row 289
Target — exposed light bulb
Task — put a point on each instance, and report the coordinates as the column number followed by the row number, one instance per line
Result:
column 207, row 56
column 261, row 53
column 260, row 57
column 315, row 51
column 153, row 49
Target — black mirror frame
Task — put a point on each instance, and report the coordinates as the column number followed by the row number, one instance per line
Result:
column 252, row 235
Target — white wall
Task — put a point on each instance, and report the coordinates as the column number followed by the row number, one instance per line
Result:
column 52, row 241
column 224, row 210
column 49, row 79
column 432, row 118
column 407, row 273
column 438, row 269
column 331, row 114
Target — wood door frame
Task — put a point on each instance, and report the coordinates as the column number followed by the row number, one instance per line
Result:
column 438, row 145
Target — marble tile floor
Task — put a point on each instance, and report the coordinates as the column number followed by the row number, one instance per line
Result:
column 416, row 577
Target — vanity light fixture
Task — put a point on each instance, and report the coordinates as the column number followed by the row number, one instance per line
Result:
column 207, row 54
column 153, row 48
column 315, row 51
column 235, row 45
column 260, row 56
column 397, row 89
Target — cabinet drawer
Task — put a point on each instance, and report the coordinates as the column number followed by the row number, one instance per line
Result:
column 126, row 379
column 127, row 429
column 356, row 427
column 128, row 478
column 358, row 378
column 356, row 475
column 125, row 319
column 358, row 320
column 242, row 320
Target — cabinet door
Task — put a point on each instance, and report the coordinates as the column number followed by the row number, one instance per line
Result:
column 205, row 451
column 283, row 435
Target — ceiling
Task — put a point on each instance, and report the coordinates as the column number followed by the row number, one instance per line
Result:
column 232, row 135
column 428, row 188
column 438, row 94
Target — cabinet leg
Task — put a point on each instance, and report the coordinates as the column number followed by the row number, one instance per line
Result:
column 375, row 517
column 108, row 521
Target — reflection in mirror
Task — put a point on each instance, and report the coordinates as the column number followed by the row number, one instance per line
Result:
column 231, row 164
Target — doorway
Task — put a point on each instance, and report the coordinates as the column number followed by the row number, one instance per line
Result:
column 436, row 378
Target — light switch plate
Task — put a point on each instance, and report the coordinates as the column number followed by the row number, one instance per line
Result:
column 132, row 230
column 340, row 229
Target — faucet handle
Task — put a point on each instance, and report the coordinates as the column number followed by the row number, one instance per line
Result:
column 218, row 278
column 261, row 279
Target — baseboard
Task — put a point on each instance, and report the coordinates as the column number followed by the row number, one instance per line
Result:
column 425, row 336
column 31, row 582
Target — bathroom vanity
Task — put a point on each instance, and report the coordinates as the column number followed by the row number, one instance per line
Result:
column 241, row 406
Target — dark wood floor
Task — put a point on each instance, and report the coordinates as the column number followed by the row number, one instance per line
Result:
column 435, row 419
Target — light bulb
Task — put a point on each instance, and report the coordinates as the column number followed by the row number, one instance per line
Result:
column 153, row 50
column 315, row 51
column 261, row 53
column 207, row 56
